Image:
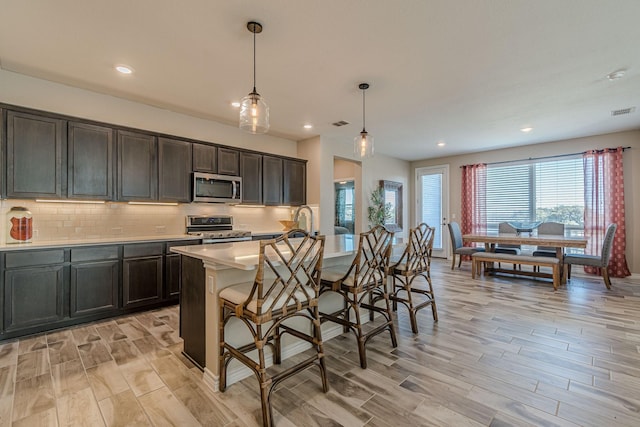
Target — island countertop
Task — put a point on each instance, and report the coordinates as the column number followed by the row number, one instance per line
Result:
column 244, row 255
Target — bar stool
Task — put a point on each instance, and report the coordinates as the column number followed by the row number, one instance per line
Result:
column 415, row 262
column 364, row 279
column 286, row 285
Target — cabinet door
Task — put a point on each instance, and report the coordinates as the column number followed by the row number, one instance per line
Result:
column 251, row 173
column 94, row 287
column 295, row 182
column 90, row 157
column 36, row 166
column 205, row 158
column 33, row 296
column 172, row 276
column 174, row 170
column 137, row 166
column 272, row 180
column 142, row 281
column 228, row 160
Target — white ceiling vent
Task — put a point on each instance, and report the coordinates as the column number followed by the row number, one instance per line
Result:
column 623, row 111
column 340, row 123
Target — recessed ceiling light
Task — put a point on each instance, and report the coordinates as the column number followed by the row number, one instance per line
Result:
column 441, row 144
column 124, row 69
column 308, row 126
column 235, row 104
column 618, row 74
column 526, row 129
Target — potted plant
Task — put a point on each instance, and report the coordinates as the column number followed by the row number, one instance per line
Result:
column 378, row 211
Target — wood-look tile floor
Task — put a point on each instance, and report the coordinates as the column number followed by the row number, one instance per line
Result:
column 505, row 352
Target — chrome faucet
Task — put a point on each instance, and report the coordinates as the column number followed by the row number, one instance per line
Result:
column 297, row 214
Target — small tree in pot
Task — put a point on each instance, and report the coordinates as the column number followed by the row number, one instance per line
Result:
column 378, row 211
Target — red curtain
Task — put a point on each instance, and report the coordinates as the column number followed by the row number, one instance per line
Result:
column 474, row 199
column 603, row 205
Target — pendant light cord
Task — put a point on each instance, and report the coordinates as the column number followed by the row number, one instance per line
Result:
column 363, row 112
column 254, row 61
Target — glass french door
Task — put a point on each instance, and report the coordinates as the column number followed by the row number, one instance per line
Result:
column 432, row 191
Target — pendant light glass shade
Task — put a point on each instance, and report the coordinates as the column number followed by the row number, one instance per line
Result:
column 254, row 114
column 363, row 143
column 254, row 111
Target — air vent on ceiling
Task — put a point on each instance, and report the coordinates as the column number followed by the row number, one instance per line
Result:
column 623, row 111
column 340, row 123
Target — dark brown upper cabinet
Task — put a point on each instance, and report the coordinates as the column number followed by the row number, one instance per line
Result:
column 272, row 181
column 295, row 182
column 228, row 161
column 36, row 164
column 205, row 158
column 174, row 170
column 251, row 173
column 91, row 157
column 137, row 166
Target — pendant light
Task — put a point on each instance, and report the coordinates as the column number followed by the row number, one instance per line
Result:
column 363, row 143
column 254, row 111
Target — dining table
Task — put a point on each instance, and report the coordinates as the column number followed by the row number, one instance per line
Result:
column 490, row 241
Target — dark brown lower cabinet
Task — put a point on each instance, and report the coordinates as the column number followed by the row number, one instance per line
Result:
column 94, row 283
column 44, row 289
column 142, row 274
column 141, row 281
column 172, row 276
column 33, row 296
column 94, row 287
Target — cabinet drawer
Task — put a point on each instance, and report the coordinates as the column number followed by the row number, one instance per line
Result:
column 30, row 258
column 98, row 253
column 143, row 249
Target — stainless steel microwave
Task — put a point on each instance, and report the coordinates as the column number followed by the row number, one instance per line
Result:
column 217, row 188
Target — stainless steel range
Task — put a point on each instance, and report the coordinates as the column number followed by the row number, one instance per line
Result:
column 215, row 229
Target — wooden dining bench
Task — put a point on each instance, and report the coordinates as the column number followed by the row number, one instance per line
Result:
column 479, row 258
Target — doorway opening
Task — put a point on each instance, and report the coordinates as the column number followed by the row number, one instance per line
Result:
column 433, row 204
column 345, row 197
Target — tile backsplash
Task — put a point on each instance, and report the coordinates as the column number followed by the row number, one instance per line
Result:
column 72, row 221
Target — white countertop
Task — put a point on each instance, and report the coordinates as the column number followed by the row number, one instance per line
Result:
column 244, row 255
column 53, row 244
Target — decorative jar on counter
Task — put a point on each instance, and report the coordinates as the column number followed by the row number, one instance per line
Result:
column 20, row 225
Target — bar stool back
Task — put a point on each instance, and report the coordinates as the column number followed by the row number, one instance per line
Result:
column 286, row 285
column 415, row 262
column 362, row 284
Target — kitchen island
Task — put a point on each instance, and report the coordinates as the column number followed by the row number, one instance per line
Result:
column 206, row 269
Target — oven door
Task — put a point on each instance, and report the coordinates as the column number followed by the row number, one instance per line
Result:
column 217, row 188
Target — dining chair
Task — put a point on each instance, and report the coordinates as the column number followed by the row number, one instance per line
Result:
column 505, row 248
column 601, row 261
column 548, row 229
column 457, row 245
column 362, row 284
column 286, row 285
column 415, row 262
column 506, row 228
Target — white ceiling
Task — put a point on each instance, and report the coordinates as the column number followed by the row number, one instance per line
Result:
column 469, row 72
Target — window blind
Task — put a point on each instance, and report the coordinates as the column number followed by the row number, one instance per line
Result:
column 537, row 190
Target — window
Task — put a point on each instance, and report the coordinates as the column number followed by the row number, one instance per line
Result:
column 540, row 190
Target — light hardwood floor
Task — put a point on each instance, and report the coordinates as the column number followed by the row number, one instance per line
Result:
column 505, row 352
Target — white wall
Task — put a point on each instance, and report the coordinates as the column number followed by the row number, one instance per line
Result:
column 631, row 164
column 321, row 153
column 18, row 89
